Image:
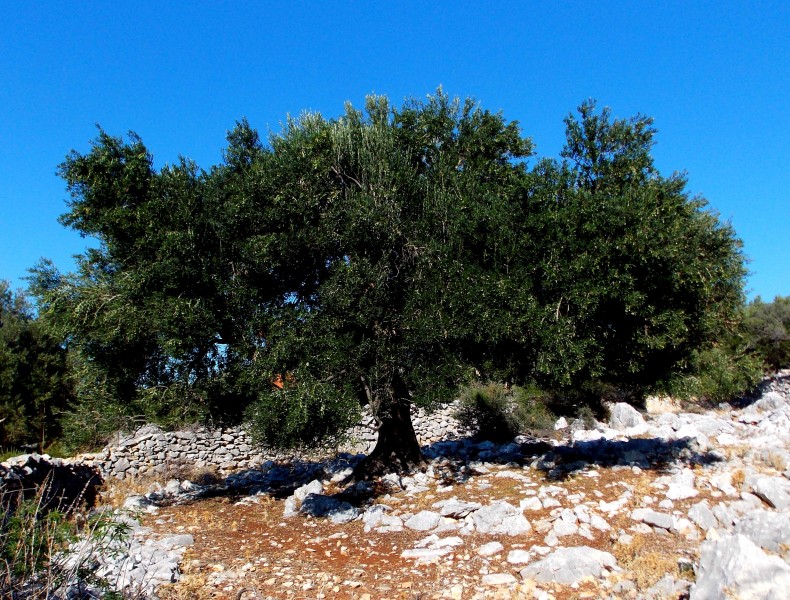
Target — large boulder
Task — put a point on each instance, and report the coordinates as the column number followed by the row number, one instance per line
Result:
column 775, row 491
column 769, row 530
column 734, row 567
column 623, row 416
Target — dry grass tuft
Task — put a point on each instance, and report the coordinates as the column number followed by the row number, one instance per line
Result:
column 775, row 460
column 646, row 560
column 182, row 470
column 737, row 478
column 737, row 451
column 192, row 585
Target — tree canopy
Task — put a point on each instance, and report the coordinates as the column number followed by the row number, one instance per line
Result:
column 767, row 326
column 383, row 258
column 34, row 387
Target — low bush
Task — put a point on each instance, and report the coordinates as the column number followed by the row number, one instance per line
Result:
column 586, row 415
column 498, row 413
column 303, row 414
column 6, row 453
column 717, row 374
column 532, row 408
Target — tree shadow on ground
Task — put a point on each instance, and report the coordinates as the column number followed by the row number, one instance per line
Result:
column 275, row 478
column 655, row 454
column 560, row 461
column 456, row 461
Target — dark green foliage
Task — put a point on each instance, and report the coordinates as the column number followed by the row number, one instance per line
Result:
column 159, row 318
column 487, row 410
column 586, row 415
column 532, row 409
column 34, row 388
column 302, row 415
column 767, row 330
column 631, row 274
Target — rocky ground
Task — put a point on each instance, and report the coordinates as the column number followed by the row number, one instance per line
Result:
column 665, row 505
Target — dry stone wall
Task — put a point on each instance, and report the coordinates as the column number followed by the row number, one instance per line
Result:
column 62, row 484
column 152, row 451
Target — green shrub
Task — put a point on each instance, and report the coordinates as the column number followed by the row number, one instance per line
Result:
column 57, row 450
column 498, row 413
column 716, row 374
column 28, row 540
column 6, row 453
column 586, row 415
column 34, row 386
column 531, row 408
column 90, row 423
column 486, row 410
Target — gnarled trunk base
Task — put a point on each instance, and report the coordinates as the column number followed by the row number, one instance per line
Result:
column 397, row 449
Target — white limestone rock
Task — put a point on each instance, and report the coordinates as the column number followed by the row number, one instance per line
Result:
column 563, row 528
column 501, row 518
column 769, row 530
column 702, row 516
column 733, row 566
column 681, row 486
column 531, row 503
column 338, row 511
column 768, row 402
column 314, row 487
column 424, row 521
column 519, row 557
column 456, row 509
column 570, row 565
column 490, row 549
column 623, row 416
column 773, row 490
column 667, row 588
column 654, row 518
column 424, row 555
column 723, row 483
column 389, row 524
column 599, row 523
column 499, row 579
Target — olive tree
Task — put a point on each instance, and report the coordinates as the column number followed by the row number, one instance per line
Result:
column 382, row 258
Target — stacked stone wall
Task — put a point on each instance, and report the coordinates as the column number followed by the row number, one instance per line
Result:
column 152, row 451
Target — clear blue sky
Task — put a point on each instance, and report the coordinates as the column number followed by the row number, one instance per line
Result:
column 715, row 75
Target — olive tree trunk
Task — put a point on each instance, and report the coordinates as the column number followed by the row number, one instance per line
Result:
column 397, row 449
